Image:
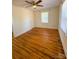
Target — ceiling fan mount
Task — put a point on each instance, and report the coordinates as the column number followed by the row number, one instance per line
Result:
column 34, row 4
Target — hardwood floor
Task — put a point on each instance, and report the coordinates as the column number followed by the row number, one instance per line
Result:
column 39, row 43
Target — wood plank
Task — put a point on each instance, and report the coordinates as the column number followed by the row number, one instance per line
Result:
column 39, row 43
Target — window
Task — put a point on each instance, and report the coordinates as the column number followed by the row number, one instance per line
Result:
column 44, row 17
column 64, row 18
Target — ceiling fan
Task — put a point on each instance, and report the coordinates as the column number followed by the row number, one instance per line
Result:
column 34, row 4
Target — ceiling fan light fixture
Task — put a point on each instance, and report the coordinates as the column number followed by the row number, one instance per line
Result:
column 34, row 6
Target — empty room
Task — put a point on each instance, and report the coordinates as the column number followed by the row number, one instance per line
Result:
column 39, row 29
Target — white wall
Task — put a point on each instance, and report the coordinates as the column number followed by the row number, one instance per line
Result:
column 22, row 20
column 62, row 25
column 53, row 19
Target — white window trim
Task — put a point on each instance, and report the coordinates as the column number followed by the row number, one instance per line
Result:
column 43, row 21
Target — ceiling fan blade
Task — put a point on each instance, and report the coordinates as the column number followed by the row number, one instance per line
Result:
column 38, row 1
column 28, row 2
column 40, row 5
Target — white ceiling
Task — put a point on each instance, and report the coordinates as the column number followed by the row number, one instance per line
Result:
column 46, row 3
